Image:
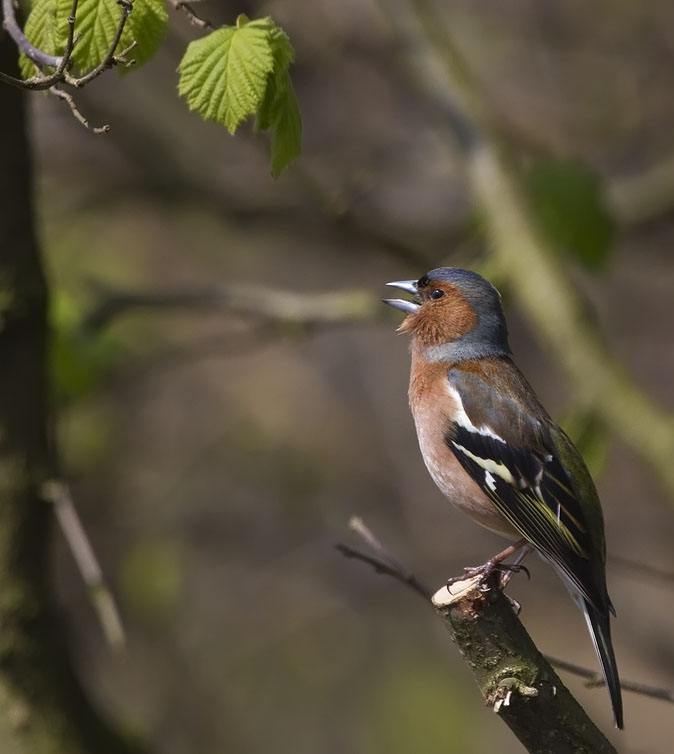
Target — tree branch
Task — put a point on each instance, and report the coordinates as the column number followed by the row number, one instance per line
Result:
column 513, row 676
column 43, row 707
column 41, row 82
column 68, row 99
column 274, row 304
column 14, row 30
column 110, row 59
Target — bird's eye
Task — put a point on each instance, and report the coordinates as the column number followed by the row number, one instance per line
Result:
column 437, row 293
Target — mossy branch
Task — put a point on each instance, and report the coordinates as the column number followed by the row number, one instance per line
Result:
column 514, row 678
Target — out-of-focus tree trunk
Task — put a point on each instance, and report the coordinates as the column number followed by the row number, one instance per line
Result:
column 43, row 708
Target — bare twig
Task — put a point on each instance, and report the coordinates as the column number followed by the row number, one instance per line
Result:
column 194, row 18
column 110, row 59
column 30, row 51
column 68, row 99
column 40, row 82
column 595, row 680
column 382, row 566
column 57, row 492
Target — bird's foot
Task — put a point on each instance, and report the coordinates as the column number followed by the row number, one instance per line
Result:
column 496, row 563
column 485, row 571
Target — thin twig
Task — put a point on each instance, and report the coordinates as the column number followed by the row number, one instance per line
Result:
column 595, row 680
column 68, row 99
column 194, row 18
column 40, row 82
column 386, row 563
column 57, row 492
column 382, row 566
column 110, row 58
column 30, row 51
column 61, row 63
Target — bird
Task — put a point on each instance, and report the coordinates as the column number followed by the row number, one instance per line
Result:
column 495, row 452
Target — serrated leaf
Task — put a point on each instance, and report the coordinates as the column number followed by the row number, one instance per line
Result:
column 279, row 110
column 147, row 26
column 224, row 75
column 284, row 55
column 570, row 206
column 41, row 31
column 97, row 22
column 242, row 70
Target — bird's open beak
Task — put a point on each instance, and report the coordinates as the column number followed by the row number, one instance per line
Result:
column 409, row 286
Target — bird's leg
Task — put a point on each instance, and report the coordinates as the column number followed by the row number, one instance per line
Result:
column 516, row 566
column 495, row 563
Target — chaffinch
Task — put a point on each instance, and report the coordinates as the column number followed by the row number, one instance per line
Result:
column 493, row 450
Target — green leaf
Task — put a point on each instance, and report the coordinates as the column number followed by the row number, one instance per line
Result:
column 224, row 75
column 41, row 31
column 571, row 209
column 279, row 110
column 286, row 143
column 283, row 55
column 239, row 71
column 96, row 24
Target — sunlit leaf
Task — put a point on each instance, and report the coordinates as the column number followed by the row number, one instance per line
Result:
column 224, row 75
column 96, row 24
column 41, row 30
column 239, row 71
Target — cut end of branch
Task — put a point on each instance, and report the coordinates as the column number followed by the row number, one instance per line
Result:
column 452, row 593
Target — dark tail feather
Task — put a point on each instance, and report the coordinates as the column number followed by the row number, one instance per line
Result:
column 600, row 630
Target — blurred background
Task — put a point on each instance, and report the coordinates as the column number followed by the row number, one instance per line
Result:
column 216, row 457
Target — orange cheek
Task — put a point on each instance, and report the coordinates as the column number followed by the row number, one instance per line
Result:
column 441, row 321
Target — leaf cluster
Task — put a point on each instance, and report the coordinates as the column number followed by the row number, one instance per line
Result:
column 47, row 28
column 227, row 76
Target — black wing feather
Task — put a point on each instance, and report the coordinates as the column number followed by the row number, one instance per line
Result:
column 532, row 490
